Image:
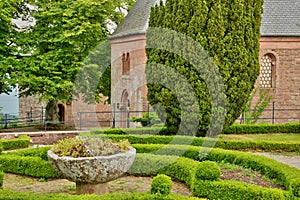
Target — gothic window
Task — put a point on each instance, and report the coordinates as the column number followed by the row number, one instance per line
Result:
column 267, row 71
column 125, row 63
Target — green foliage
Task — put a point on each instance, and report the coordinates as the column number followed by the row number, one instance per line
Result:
column 233, row 129
column 236, row 190
column 22, row 141
column 7, row 194
column 1, row 176
column 9, row 10
column 295, row 187
column 207, row 170
column 251, row 116
column 229, row 32
column 1, row 148
column 183, row 169
column 236, row 144
column 263, row 128
column 88, row 147
column 40, row 152
column 64, row 34
column 284, row 174
column 30, row 166
column 161, row 185
column 147, row 119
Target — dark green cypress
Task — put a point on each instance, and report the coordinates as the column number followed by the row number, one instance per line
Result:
column 228, row 30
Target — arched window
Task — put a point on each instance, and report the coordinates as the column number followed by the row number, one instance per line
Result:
column 125, row 63
column 267, row 71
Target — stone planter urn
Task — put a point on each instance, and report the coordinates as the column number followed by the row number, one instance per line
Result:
column 91, row 174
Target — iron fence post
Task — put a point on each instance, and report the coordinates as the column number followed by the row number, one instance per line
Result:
column 42, row 118
column 80, row 125
column 128, row 115
column 6, row 121
column 273, row 112
column 31, row 120
column 148, row 120
column 114, row 119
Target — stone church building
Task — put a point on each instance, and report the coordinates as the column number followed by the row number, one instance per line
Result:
column 279, row 60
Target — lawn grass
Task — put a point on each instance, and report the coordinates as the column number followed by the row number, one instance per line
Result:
column 263, row 137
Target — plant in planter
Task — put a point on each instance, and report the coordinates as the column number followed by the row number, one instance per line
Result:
column 91, row 162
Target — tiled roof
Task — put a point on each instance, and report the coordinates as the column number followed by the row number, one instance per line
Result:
column 280, row 18
column 136, row 21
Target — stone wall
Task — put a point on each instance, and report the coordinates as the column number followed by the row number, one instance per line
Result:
column 285, row 90
column 129, row 91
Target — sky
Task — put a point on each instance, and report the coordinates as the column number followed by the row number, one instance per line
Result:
column 9, row 103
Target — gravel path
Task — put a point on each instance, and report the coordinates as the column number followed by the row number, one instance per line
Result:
column 293, row 161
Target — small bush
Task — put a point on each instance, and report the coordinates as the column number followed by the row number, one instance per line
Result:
column 32, row 152
column 198, row 141
column 263, row 128
column 30, row 166
column 207, row 170
column 1, row 177
column 161, row 185
column 22, row 141
column 295, row 187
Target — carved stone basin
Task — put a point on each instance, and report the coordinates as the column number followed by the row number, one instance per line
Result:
column 92, row 173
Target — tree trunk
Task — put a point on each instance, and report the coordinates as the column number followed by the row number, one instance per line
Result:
column 52, row 111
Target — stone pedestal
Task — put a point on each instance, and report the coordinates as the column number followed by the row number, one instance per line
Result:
column 87, row 188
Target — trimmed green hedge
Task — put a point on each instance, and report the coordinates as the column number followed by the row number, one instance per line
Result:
column 233, row 129
column 9, row 195
column 30, row 166
column 161, row 185
column 263, row 128
column 218, row 189
column 208, row 170
column 22, row 141
column 1, row 176
column 285, row 175
column 198, row 141
column 237, row 190
column 183, row 169
column 33, row 152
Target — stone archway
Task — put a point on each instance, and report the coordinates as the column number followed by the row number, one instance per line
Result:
column 124, row 110
column 61, row 113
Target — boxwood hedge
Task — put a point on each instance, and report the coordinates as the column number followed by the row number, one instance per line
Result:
column 184, row 169
column 233, row 129
column 22, row 141
column 199, row 141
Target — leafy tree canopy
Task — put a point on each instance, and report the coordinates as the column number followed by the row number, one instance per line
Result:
column 63, row 35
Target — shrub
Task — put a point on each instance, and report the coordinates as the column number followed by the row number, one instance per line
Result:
column 283, row 173
column 8, row 195
column 295, row 187
column 207, row 170
column 1, row 177
column 229, row 190
column 263, row 128
column 161, row 185
column 22, row 141
column 32, row 152
column 199, row 141
column 214, row 31
column 30, row 166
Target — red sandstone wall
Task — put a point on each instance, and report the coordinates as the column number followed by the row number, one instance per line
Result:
column 286, row 91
